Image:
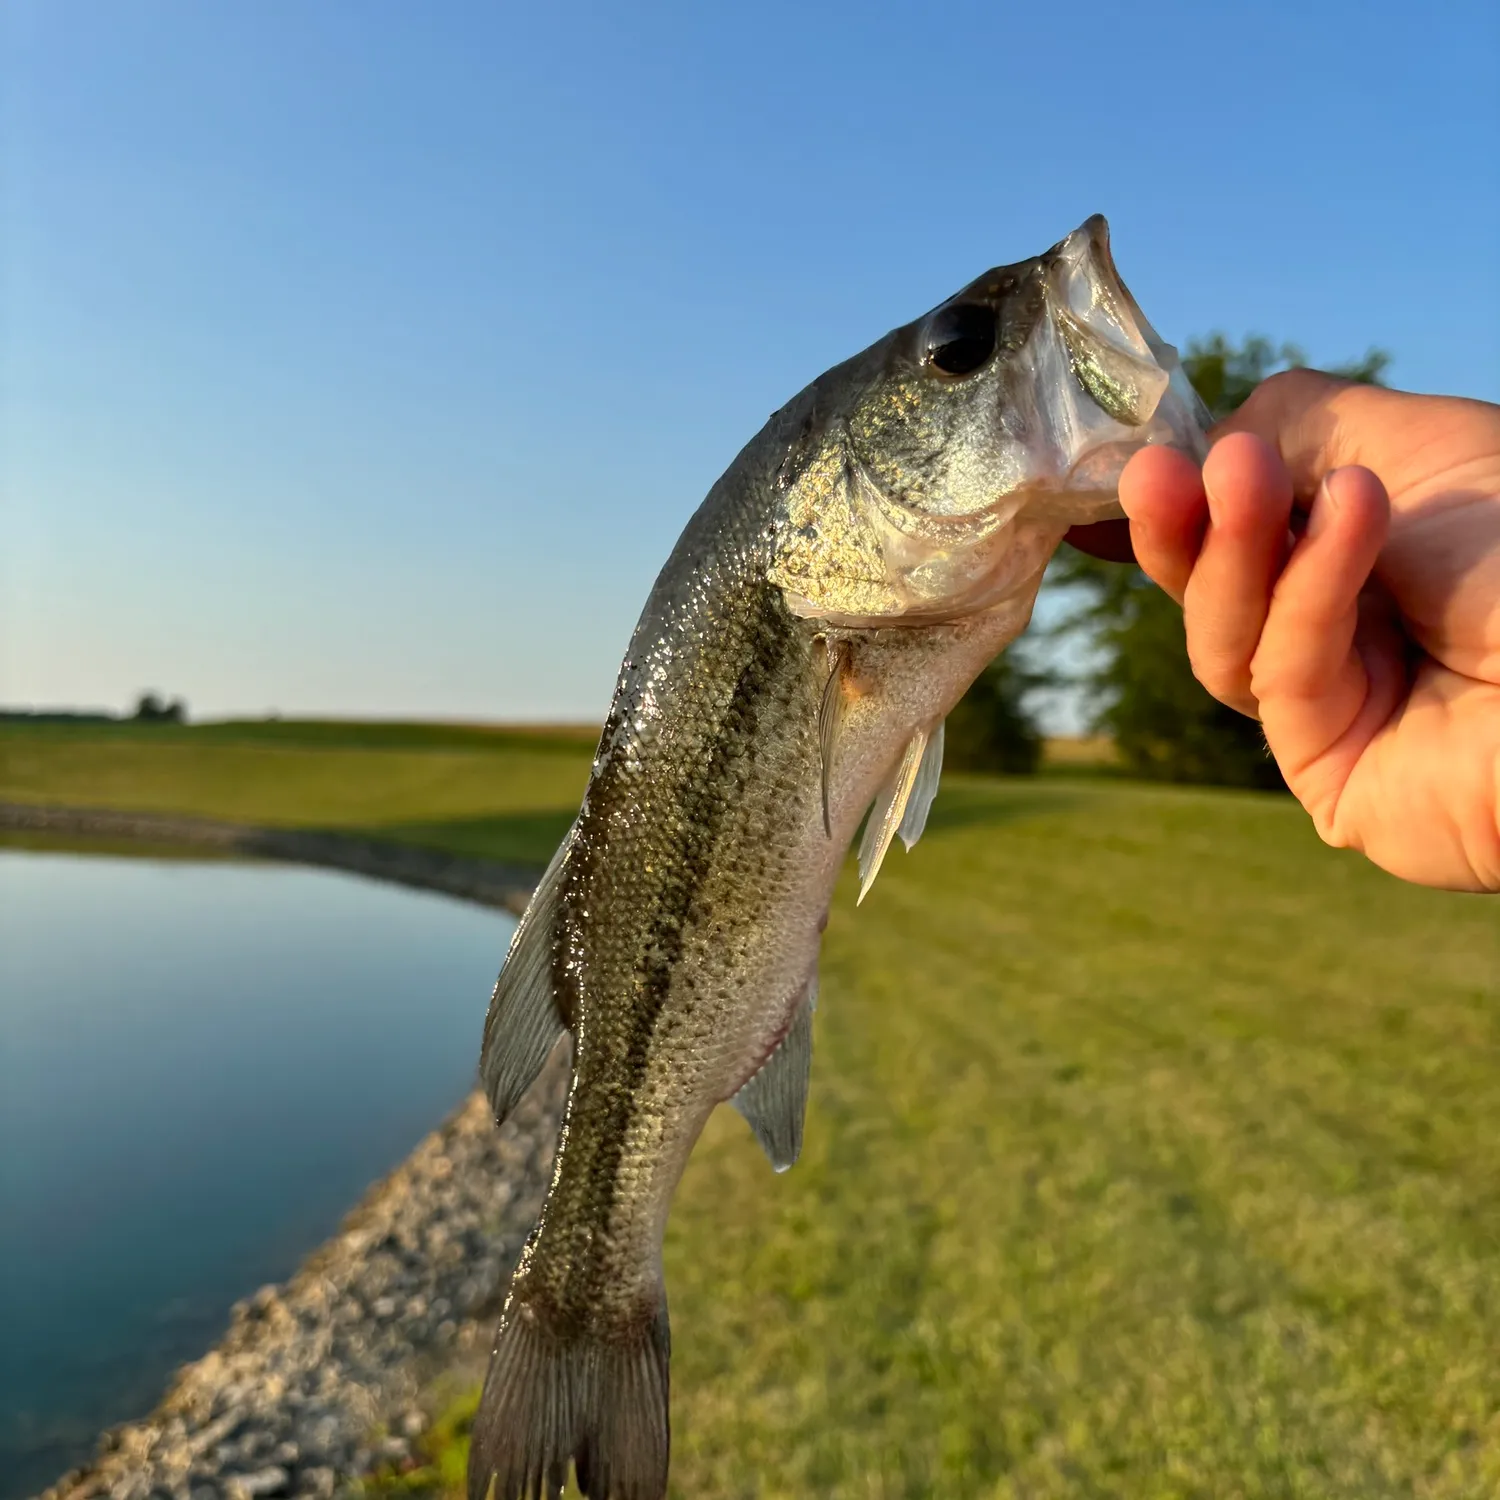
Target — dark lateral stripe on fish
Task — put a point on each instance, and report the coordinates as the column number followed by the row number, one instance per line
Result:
column 767, row 653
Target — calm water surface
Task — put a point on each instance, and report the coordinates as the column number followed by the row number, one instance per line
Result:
column 202, row 1067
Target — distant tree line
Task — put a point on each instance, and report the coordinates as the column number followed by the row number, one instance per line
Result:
column 992, row 727
column 1143, row 694
column 150, row 708
column 55, row 716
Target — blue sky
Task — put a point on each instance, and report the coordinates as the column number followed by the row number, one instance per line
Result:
column 367, row 357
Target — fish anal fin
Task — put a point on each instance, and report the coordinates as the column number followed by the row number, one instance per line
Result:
column 919, row 803
column 524, row 1023
column 888, row 811
column 774, row 1099
column 597, row 1400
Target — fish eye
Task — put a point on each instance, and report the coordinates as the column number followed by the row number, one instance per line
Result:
column 961, row 338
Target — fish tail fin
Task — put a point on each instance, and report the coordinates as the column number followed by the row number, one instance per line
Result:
column 600, row 1401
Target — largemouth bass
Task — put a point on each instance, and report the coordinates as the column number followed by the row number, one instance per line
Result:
column 867, row 554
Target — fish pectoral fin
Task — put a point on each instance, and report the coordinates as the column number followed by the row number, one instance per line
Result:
column 831, row 721
column 774, row 1100
column 895, row 803
column 524, row 1023
column 919, row 803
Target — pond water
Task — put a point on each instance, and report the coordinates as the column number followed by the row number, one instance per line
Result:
column 202, row 1068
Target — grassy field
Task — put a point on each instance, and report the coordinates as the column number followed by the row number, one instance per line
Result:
column 509, row 794
column 1152, row 1148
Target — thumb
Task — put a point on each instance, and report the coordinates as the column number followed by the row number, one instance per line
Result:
column 1319, row 422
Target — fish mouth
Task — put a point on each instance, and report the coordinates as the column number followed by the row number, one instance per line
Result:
column 1089, row 377
column 1090, row 242
column 1128, row 389
column 1083, row 279
column 1116, row 355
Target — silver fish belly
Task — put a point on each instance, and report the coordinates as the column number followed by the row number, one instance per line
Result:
column 864, row 558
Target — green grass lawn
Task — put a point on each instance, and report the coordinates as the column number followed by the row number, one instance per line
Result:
column 1152, row 1148
column 509, row 795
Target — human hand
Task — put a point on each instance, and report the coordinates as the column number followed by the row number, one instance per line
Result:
column 1366, row 641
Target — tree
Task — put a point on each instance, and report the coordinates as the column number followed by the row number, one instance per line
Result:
column 1224, row 375
column 1165, row 726
column 151, row 709
column 990, row 728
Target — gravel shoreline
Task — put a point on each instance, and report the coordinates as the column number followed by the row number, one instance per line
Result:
column 317, row 1381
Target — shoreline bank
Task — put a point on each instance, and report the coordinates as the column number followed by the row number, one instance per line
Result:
column 316, row 1381
column 484, row 881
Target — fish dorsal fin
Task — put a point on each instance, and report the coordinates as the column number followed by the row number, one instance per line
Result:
column 524, row 1024
column 831, row 721
column 919, row 804
column 889, row 810
column 774, row 1100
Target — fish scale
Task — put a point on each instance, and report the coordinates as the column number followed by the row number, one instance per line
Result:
column 861, row 561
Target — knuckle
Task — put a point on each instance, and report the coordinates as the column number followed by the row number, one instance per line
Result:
column 1323, row 808
column 1281, row 401
column 1300, row 378
column 1223, row 678
column 1275, row 676
column 1293, row 388
column 1272, row 679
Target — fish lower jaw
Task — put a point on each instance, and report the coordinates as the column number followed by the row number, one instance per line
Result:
column 1065, row 507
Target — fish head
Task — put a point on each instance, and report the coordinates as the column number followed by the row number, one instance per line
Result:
column 936, row 467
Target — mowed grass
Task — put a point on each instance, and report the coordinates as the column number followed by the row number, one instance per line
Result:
column 1152, row 1146
column 506, row 794
column 1151, row 1152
